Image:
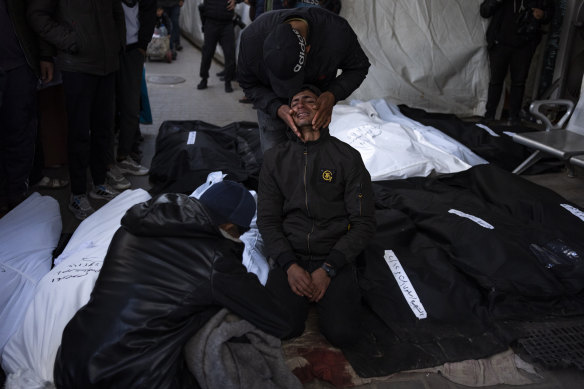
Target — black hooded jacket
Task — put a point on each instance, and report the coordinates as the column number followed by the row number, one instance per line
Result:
column 511, row 26
column 333, row 46
column 167, row 271
column 315, row 201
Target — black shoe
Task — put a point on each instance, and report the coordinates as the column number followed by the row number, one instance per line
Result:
column 228, row 88
column 245, row 100
column 179, row 47
column 221, row 74
column 512, row 122
column 222, row 78
column 487, row 121
column 202, row 84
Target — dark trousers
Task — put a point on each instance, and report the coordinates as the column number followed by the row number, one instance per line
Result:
column 517, row 61
column 89, row 101
column 218, row 31
column 174, row 14
column 128, row 88
column 339, row 311
column 18, row 127
column 272, row 131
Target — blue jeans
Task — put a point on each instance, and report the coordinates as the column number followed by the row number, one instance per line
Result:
column 174, row 14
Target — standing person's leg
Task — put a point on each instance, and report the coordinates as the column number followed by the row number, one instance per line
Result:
column 519, row 69
column 227, row 41
column 339, row 311
column 499, row 57
column 18, row 127
column 272, row 131
column 174, row 14
column 102, row 124
column 128, row 89
column 296, row 305
column 211, row 37
column 79, row 92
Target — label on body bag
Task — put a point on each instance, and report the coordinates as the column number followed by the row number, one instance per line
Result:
column 406, row 287
column 192, row 137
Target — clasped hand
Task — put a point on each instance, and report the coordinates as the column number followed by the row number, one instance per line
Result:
column 310, row 285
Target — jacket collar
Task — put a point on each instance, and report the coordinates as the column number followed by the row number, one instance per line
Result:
column 324, row 134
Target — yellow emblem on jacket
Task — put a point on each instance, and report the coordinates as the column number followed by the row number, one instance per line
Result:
column 327, row 175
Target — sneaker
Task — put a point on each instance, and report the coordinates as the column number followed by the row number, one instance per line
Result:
column 116, row 179
column 129, row 166
column 79, row 205
column 103, row 192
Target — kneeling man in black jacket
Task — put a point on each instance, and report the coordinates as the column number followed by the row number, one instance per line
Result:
column 173, row 264
column 316, row 214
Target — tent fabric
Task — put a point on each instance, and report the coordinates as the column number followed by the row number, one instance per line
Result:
column 390, row 150
column 418, row 58
column 187, row 151
column 28, row 235
column 30, row 352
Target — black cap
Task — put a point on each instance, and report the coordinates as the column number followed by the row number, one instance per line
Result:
column 229, row 202
column 285, row 57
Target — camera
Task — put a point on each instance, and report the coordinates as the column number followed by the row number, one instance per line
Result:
column 237, row 21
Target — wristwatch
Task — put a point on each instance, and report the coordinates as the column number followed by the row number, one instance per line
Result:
column 330, row 271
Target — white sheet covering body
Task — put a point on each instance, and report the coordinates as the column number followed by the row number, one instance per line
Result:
column 28, row 236
column 30, row 353
column 390, row 150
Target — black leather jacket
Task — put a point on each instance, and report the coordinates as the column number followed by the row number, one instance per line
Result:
column 315, row 202
column 167, row 271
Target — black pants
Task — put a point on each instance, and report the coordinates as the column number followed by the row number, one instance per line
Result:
column 517, row 61
column 18, row 127
column 90, row 112
column 339, row 311
column 128, row 88
column 218, row 31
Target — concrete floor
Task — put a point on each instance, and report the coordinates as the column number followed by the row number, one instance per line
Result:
column 183, row 101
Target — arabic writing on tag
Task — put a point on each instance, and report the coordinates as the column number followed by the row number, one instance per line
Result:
column 405, row 285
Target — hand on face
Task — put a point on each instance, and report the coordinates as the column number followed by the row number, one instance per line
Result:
column 325, row 104
column 285, row 113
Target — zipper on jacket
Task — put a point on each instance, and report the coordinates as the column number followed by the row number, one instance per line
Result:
column 306, row 197
column 360, row 195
